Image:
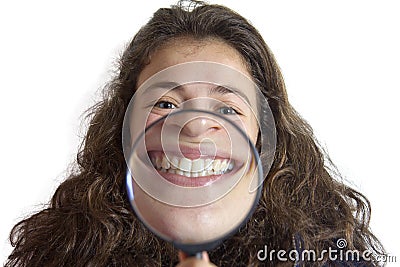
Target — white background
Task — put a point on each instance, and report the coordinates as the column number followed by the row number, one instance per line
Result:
column 340, row 60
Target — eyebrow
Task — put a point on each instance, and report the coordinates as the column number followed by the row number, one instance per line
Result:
column 218, row 89
column 223, row 89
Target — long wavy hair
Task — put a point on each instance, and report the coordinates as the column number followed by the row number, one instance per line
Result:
column 88, row 221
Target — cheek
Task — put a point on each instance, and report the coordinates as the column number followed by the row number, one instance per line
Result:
column 252, row 130
column 152, row 118
column 139, row 120
column 254, row 135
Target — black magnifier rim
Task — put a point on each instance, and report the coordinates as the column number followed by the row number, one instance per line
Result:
column 193, row 249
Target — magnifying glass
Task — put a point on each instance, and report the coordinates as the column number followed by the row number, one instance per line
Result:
column 193, row 194
column 194, row 176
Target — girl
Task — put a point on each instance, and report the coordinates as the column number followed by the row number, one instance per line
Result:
column 89, row 221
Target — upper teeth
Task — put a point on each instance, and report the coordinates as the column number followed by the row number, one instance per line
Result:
column 191, row 168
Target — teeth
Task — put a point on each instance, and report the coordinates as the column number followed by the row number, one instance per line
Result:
column 217, row 165
column 174, row 163
column 224, row 165
column 192, row 168
column 208, row 164
column 185, row 164
column 197, row 165
column 165, row 163
column 158, row 162
column 230, row 166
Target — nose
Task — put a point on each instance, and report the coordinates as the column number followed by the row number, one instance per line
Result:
column 199, row 127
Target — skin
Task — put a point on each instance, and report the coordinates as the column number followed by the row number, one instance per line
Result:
column 206, row 222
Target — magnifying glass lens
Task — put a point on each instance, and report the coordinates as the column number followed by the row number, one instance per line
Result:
column 191, row 186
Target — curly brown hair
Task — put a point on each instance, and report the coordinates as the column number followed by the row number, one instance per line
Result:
column 88, row 221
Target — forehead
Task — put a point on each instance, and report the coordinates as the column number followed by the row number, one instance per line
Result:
column 188, row 50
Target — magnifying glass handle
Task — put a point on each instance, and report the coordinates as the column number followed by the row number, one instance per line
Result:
column 197, row 255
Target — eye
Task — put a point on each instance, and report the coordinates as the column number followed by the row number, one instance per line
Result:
column 165, row 105
column 227, row 111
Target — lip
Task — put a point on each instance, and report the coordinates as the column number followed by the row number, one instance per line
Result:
column 189, row 182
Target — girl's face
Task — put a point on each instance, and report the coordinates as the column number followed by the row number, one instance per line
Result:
column 188, row 50
column 203, row 223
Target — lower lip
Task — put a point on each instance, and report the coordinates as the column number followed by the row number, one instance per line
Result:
column 187, row 181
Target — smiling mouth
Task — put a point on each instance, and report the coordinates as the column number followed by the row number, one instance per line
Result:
column 190, row 172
